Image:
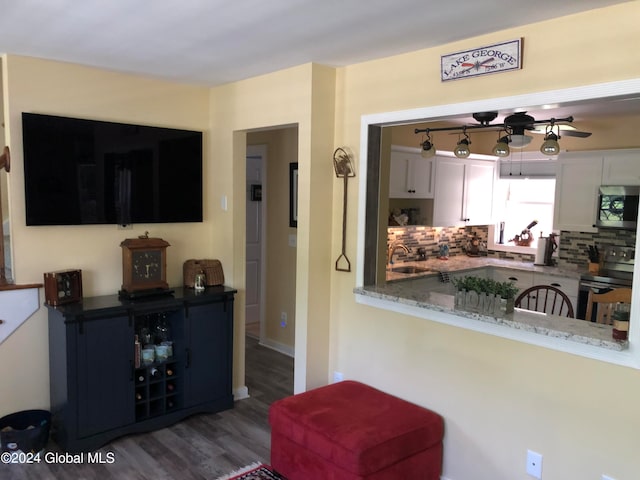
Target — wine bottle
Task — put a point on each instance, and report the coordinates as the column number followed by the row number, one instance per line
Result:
column 170, row 387
column 155, row 373
column 138, row 396
column 140, row 378
column 169, row 372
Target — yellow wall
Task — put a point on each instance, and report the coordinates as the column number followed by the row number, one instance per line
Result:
column 280, row 287
column 296, row 96
column 498, row 397
column 58, row 88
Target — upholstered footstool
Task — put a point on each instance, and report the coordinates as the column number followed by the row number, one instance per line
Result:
column 349, row 431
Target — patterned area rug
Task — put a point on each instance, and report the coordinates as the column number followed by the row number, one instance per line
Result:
column 255, row 471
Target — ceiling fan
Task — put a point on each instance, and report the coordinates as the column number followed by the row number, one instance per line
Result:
column 518, row 122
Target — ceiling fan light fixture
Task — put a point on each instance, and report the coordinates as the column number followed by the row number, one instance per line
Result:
column 550, row 146
column 501, row 148
column 520, row 141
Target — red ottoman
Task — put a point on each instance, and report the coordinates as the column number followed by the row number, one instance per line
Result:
column 349, row 431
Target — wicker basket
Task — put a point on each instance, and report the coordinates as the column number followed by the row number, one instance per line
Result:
column 211, row 268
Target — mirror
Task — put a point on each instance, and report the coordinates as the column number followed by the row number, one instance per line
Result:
column 6, row 275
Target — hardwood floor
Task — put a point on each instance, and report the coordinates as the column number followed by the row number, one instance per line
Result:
column 201, row 447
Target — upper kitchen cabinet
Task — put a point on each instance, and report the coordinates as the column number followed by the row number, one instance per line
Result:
column 463, row 191
column 578, row 177
column 580, row 174
column 621, row 167
column 411, row 175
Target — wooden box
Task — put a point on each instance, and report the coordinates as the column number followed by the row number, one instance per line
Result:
column 64, row 286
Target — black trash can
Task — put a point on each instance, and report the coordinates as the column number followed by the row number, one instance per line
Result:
column 26, row 431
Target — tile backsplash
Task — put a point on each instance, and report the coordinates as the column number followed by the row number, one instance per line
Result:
column 574, row 245
column 572, row 250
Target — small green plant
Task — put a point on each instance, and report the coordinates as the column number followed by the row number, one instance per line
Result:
column 506, row 290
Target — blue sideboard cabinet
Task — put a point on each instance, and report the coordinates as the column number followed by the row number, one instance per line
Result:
column 99, row 392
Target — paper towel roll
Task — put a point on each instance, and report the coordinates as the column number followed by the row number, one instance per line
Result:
column 542, row 247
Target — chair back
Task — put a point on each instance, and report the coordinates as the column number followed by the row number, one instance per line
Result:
column 605, row 303
column 547, row 299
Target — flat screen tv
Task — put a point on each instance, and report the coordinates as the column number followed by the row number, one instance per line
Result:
column 80, row 171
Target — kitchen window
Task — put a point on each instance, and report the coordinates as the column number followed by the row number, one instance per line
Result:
column 517, row 203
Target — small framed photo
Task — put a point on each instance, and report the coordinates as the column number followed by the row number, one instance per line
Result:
column 256, row 193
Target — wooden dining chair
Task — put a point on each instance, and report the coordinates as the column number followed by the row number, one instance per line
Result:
column 547, row 299
column 605, row 303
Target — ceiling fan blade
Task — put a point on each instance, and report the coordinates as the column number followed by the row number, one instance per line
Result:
column 565, row 130
column 575, row 133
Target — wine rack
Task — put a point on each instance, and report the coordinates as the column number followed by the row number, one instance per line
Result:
column 158, row 389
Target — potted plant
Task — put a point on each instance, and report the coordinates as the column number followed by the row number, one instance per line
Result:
column 484, row 295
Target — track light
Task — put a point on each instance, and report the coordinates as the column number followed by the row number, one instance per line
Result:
column 428, row 148
column 462, row 148
column 550, row 146
column 501, row 149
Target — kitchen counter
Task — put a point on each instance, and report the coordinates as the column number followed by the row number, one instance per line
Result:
column 462, row 262
column 415, row 290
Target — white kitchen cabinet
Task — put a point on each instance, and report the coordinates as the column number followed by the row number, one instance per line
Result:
column 463, row 191
column 579, row 175
column 621, row 167
column 411, row 175
column 521, row 278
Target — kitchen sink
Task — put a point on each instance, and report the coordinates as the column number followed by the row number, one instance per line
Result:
column 410, row 269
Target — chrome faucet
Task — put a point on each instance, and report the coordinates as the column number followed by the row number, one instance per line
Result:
column 393, row 247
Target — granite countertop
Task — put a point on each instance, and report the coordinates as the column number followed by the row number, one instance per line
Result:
column 416, row 293
column 462, row 262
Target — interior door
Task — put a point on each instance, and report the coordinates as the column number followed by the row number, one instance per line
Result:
column 254, row 246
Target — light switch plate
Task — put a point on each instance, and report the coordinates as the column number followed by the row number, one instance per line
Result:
column 293, row 240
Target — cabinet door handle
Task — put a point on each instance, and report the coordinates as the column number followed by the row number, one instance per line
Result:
column 556, row 285
column 514, row 279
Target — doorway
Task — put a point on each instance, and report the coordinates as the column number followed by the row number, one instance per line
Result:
column 255, row 245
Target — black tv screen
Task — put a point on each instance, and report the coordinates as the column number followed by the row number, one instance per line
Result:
column 80, row 171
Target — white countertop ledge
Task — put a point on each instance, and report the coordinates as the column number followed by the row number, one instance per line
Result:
column 564, row 334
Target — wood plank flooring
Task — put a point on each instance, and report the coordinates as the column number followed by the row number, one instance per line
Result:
column 201, row 447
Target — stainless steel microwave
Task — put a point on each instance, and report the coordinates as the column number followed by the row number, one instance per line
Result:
column 618, row 207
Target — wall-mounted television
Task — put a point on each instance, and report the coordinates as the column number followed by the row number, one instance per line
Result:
column 80, row 171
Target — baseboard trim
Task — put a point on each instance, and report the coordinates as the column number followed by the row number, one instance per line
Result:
column 240, row 393
column 278, row 347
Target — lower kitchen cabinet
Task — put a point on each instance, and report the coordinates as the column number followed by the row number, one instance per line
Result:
column 99, row 391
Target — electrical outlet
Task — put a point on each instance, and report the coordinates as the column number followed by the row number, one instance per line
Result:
column 338, row 377
column 534, row 464
column 283, row 319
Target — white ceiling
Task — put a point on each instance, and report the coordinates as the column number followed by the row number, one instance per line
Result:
column 212, row 42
